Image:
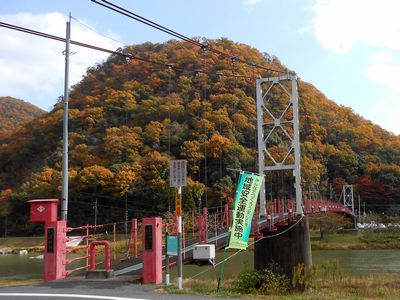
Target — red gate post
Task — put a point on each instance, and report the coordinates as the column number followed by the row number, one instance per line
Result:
column 152, row 250
column 45, row 211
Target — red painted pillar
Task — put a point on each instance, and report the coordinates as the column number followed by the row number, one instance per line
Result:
column 152, row 250
column 135, row 245
column 205, row 221
column 45, row 211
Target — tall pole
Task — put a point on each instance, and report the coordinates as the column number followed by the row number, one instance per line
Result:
column 95, row 215
column 180, row 245
column 261, row 145
column 5, row 226
column 364, row 211
column 126, row 221
column 296, row 144
column 64, row 194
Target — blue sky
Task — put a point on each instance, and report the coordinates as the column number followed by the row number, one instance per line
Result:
column 349, row 49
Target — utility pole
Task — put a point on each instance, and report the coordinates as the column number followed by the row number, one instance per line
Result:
column 359, row 208
column 64, row 193
column 95, row 214
column 5, row 226
column 126, row 219
column 364, row 211
column 179, row 242
column 177, row 178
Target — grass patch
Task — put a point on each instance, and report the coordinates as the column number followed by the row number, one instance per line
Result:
column 380, row 237
column 363, row 239
column 18, row 242
column 383, row 286
column 31, row 243
column 13, row 282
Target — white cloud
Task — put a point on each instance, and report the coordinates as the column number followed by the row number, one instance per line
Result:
column 252, row 2
column 340, row 24
column 384, row 70
column 32, row 68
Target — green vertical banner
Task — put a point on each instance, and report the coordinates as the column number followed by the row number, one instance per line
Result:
column 245, row 203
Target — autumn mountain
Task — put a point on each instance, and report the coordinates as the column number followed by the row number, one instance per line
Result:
column 15, row 113
column 129, row 118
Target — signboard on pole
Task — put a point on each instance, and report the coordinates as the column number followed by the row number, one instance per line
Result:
column 178, row 205
column 245, row 203
column 177, row 172
column 172, row 245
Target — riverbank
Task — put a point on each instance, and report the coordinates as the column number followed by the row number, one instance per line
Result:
column 35, row 244
column 383, row 286
column 29, row 243
column 360, row 239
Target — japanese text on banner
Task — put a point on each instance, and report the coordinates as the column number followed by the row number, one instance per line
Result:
column 245, row 203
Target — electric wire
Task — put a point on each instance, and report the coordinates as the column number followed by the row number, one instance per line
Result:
column 251, row 244
column 120, row 208
column 145, row 21
column 99, row 33
column 132, row 15
column 117, row 53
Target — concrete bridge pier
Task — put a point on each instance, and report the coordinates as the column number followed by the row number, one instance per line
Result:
column 287, row 249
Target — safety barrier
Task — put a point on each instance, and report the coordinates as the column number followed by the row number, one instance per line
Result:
column 93, row 246
column 87, row 238
column 133, row 240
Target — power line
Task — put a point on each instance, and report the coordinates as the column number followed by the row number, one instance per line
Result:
column 116, row 207
column 92, row 29
column 145, row 21
column 132, row 15
column 126, row 55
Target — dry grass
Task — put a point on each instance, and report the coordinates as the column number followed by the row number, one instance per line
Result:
column 365, row 239
column 384, row 286
column 14, row 282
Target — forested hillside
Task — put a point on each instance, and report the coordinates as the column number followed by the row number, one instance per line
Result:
column 128, row 118
column 15, row 113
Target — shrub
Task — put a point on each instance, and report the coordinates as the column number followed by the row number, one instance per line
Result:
column 248, row 281
column 269, row 281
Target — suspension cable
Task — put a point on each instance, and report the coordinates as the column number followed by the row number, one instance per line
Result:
column 117, row 53
column 111, row 6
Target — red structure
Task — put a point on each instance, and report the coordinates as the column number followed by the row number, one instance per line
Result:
column 93, row 246
column 45, row 211
column 202, row 227
column 152, row 250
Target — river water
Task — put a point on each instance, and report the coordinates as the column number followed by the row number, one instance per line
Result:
column 354, row 262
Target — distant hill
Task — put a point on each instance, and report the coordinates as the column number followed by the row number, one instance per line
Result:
column 129, row 118
column 14, row 113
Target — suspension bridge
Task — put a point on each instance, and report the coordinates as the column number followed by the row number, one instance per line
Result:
column 279, row 227
column 209, row 227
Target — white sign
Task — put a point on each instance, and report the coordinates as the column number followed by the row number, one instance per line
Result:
column 177, row 173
